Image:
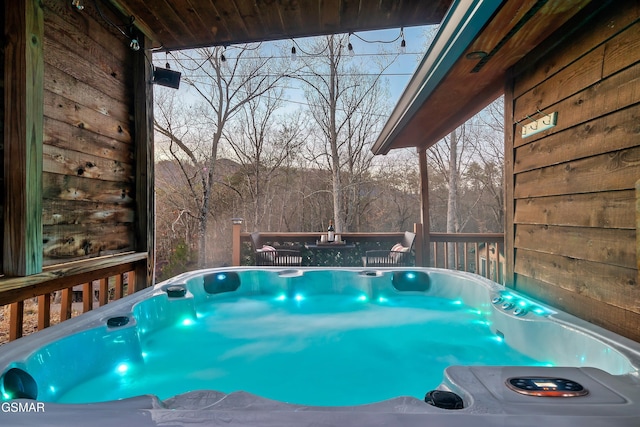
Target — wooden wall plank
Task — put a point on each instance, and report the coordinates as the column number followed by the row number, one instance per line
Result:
column 68, row 242
column 606, row 172
column 622, row 50
column 598, row 312
column 603, row 210
column 607, row 246
column 67, row 187
column 67, row 136
column 74, row 163
column 58, row 212
column 611, row 132
column 599, row 281
column 23, row 130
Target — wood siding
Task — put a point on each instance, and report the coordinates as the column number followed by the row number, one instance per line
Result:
column 572, row 189
column 88, row 152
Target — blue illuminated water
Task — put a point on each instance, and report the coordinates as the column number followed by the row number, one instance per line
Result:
column 323, row 350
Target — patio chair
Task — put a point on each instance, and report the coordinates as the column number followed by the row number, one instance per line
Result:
column 266, row 255
column 399, row 256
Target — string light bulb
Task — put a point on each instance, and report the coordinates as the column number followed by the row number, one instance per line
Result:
column 293, row 54
column 134, row 45
column 223, row 58
column 350, row 46
column 77, row 4
column 403, row 43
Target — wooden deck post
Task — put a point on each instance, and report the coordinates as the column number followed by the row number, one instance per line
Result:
column 23, row 136
column 426, row 226
column 143, row 140
column 235, row 240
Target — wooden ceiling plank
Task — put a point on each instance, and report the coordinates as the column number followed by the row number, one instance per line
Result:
column 330, row 16
column 146, row 21
column 270, row 15
column 249, row 21
column 171, row 13
column 182, row 24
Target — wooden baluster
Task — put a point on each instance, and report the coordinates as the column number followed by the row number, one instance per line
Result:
column 103, row 293
column 488, row 257
column 15, row 320
column 456, row 256
column 87, row 297
column 465, row 247
column 65, row 304
column 44, row 311
column 477, row 253
column 118, row 287
column 446, row 254
column 435, row 254
column 131, row 282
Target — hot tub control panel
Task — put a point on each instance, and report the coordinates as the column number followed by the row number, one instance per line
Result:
column 546, row 387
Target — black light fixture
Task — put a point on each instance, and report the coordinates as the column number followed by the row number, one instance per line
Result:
column 166, row 77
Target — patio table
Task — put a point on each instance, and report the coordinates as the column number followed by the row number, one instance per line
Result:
column 336, row 247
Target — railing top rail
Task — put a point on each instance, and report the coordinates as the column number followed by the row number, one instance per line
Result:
column 466, row 237
column 56, row 277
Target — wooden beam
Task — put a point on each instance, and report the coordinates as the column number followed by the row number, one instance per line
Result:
column 144, row 153
column 509, row 182
column 23, row 134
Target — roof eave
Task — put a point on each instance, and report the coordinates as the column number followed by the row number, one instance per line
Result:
column 461, row 25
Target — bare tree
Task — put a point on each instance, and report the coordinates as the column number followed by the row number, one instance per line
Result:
column 264, row 142
column 341, row 101
column 223, row 83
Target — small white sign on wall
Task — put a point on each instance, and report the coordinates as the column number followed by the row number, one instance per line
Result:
column 543, row 123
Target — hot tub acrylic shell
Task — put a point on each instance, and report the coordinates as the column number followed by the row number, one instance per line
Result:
column 605, row 361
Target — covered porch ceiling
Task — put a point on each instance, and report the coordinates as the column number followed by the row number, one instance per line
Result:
column 465, row 68
column 184, row 24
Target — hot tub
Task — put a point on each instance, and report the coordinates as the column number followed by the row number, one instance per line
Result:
column 246, row 346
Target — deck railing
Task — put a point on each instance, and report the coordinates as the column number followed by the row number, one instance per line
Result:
column 113, row 277
column 480, row 253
